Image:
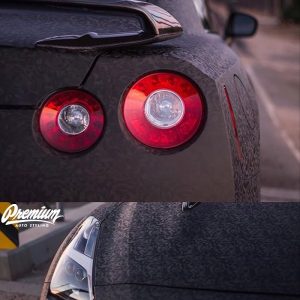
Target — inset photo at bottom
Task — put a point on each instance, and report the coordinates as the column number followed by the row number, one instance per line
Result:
column 150, row 250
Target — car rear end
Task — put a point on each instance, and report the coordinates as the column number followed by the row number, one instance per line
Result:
column 205, row 165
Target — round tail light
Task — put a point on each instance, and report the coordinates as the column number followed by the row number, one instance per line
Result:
column 163, row 110
column 71, row 120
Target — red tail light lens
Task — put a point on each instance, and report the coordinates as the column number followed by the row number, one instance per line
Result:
column 163, row 110
column 71, row 120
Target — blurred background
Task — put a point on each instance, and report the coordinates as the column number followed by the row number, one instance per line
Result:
column 272, row 59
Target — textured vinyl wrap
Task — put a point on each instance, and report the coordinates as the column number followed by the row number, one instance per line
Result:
column 24, row 25
column 118, row 168
column 30, row 75
column 239, row 248
column 149, row 292
column 245, row 110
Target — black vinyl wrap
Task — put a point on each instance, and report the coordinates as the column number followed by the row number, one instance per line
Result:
column 214, row 251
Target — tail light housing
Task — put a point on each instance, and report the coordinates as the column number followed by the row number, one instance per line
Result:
column 163, row 110
column 71, row 120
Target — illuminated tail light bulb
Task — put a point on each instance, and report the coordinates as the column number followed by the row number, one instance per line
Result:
column 71, row 120
column 163, row 110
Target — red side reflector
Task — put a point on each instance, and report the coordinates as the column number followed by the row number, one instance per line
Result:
column 234, row 125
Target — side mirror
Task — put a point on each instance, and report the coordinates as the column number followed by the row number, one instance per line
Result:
column 240, row 25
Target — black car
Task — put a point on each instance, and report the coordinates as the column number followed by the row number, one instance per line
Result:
column 125, row 101
column 134, row 251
